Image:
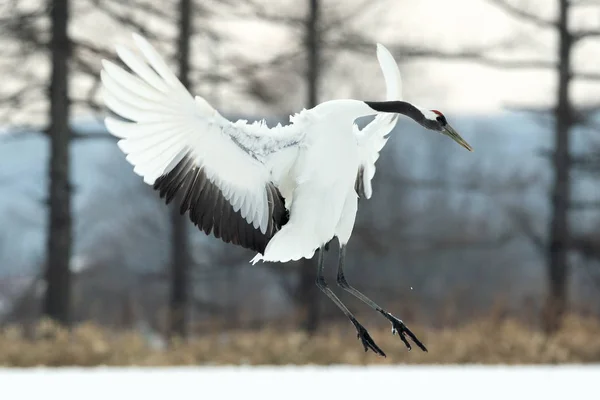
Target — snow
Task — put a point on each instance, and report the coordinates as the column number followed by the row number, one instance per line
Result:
column 291, row 382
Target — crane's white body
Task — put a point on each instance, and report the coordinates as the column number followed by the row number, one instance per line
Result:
column 313, row 162
column 319, row 185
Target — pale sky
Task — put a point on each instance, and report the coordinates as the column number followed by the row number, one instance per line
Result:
column 446, row 24
column 471, row 88
column 451, row 25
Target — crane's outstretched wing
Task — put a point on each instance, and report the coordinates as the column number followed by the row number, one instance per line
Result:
column 182, row 145
column 373, row 137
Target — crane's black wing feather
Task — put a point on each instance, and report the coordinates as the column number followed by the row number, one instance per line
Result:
column 210, row 210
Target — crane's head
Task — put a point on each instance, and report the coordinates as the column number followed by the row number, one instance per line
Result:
column 430, row 119
column 435, row 120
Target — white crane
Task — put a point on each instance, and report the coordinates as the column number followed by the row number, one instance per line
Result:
column 284, row 191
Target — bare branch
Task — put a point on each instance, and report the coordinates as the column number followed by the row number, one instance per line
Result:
column 94, row 135
column 522, row 14
column 540, row 111
column 475, row 54
column 147, row 7
column 128, row 20
column 496, row 62
column 587, row 246
column 587, row 34
column 81, row 44
column 522, row 221
column 586, row 162
column 580, row 3
column 587, row 76
column 585, row 205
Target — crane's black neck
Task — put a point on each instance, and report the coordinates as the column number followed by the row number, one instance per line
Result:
column 400, row 107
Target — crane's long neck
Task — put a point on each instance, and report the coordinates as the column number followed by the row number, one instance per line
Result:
column 400, row 107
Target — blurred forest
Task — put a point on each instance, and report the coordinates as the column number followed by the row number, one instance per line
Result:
column 510, row 232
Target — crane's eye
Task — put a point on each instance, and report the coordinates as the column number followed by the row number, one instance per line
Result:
column 440, row 117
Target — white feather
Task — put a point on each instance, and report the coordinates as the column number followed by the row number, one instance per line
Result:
column 168, row 123
column 373, row 137
column 312, row 161
column 391, row 73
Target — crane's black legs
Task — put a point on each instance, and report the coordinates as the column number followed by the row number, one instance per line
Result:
column 363, row 335
column 397, row 324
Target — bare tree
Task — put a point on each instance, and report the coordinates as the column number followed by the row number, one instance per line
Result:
column 58, row 276
column 187, row 12
column 565, row 119
column 307, row 290
column 559, row 230
column 180, row 258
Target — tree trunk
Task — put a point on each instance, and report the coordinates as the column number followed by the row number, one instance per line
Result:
column 561, row 192
column 308, row 293
column 58, row 275
column 180, row 259
column 313, row 47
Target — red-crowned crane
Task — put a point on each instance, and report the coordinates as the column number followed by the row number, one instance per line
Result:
column 284, row 191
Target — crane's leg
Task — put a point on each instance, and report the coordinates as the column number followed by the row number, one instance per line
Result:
column 397, row 324
column 363, row 335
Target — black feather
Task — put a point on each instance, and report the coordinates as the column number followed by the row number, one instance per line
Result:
column 211, row 212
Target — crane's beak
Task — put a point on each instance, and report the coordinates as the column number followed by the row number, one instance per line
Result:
column 449, row 131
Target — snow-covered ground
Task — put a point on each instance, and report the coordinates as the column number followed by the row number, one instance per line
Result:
column 286, row 383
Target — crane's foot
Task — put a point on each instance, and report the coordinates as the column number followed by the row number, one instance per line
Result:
column 403, row 331
column 365, row 338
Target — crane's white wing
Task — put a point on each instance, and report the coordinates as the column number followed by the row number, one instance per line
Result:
column 182, row 145
column 373, row 137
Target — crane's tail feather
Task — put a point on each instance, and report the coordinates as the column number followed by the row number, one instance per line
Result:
column 289, row 244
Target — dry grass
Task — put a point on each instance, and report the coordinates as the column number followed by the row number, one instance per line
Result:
column 488, row 341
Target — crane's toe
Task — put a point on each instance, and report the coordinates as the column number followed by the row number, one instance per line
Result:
column 366, row 339
column 402, row 330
